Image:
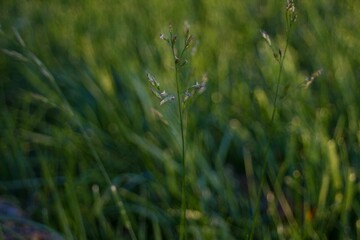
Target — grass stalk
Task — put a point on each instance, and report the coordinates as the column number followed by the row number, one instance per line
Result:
column 290, row 19
column 183, row 163
column 183, row 96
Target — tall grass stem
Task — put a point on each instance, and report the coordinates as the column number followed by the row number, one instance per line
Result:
column 183, row 164
column 271, row 127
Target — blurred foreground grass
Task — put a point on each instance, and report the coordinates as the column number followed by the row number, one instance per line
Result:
column 98, row 54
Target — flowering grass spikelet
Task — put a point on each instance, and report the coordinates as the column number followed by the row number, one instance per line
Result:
column 309, row 80
column 155, row 89
column 153, row 81
column 266, row 37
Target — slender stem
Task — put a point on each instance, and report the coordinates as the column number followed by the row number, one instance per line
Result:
column 183, row 180
column 183, row 165
column 264, row 166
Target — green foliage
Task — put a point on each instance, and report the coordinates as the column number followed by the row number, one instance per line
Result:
column 87, row 150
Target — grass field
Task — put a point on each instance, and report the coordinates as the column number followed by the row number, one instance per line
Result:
column 271, row 147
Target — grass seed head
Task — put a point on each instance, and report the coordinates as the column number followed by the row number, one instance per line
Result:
column 153, row 81
column 167, row 99
column 311, row 79
column 186, row 28
column 291, row 15
column 266, row 37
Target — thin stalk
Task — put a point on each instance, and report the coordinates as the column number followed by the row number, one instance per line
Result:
column 264, row 166
column 183, row 177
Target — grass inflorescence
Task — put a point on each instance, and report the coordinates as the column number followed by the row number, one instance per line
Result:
column 183, row 96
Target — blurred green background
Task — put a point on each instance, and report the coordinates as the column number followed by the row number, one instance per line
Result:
column 76, row 105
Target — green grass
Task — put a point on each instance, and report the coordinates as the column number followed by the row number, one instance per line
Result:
column 78, row 120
